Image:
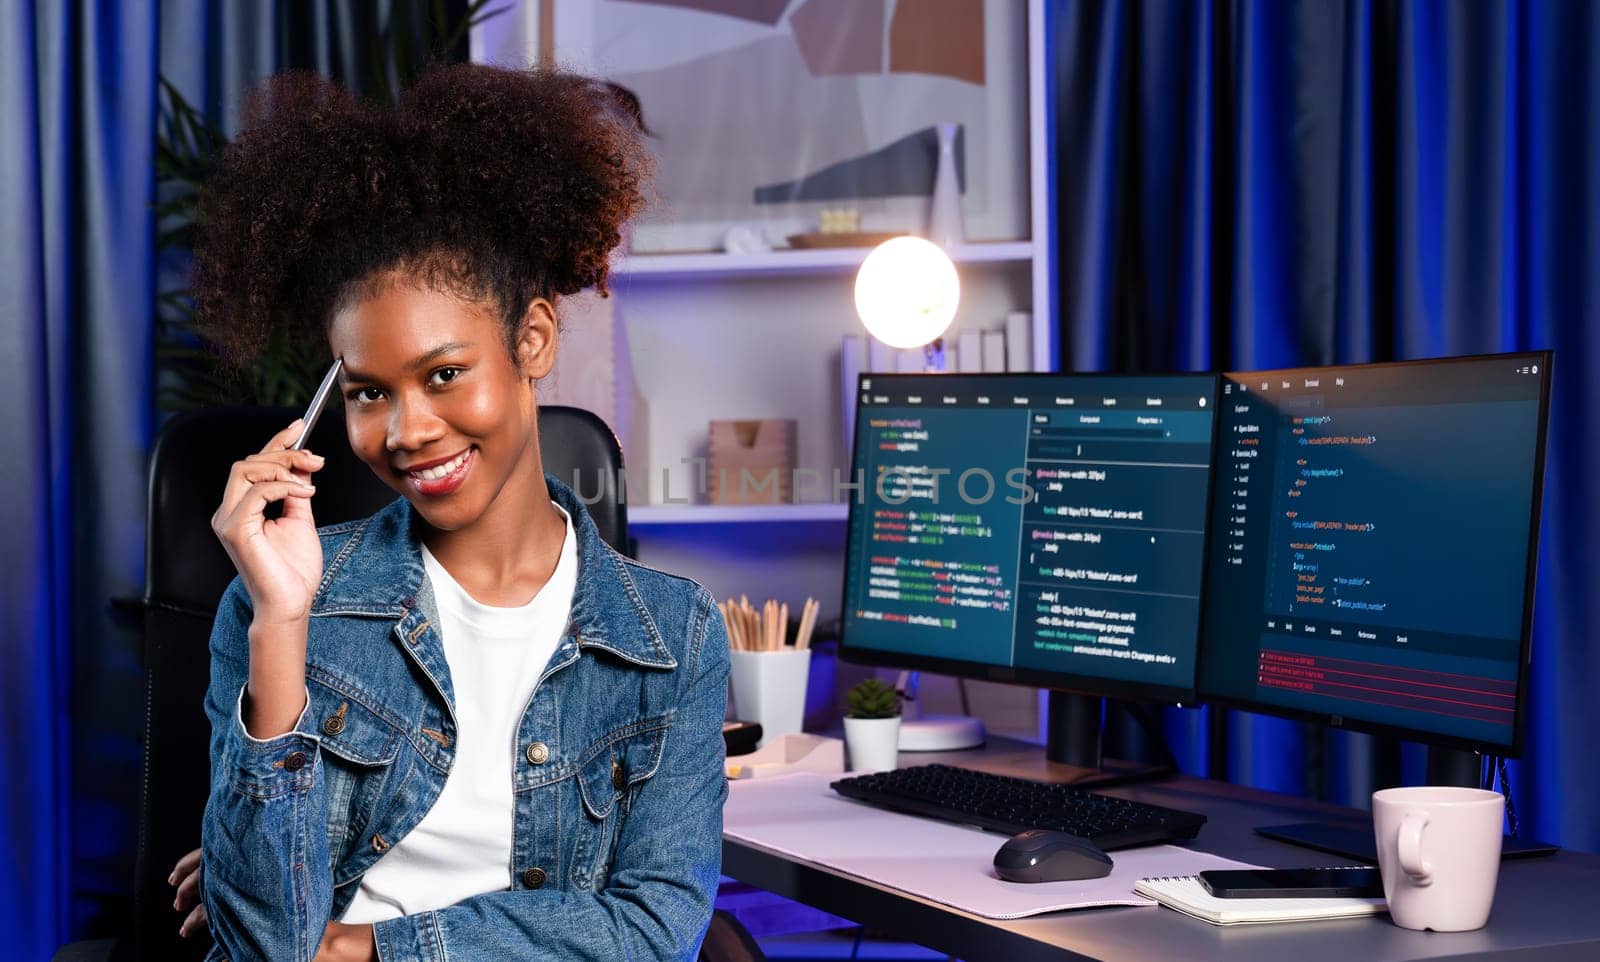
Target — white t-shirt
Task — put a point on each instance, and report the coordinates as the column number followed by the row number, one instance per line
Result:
column 462, row 846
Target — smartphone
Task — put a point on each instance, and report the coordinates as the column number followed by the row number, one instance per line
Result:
column 1358, row 882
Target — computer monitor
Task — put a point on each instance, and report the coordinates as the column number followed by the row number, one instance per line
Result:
column 1041, row 529
column 1374, row 532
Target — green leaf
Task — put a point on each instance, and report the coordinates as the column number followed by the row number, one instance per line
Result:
column 873, row 699
column 190, row 371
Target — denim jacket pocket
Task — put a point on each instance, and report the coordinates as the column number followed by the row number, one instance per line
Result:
column 615, row 768
column 346, row 726
column 358, row 744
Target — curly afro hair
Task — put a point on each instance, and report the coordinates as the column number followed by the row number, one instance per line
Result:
column 492, row 184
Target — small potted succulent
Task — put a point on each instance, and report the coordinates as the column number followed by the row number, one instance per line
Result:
column 872, row 726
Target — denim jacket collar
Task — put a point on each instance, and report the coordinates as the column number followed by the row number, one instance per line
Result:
column 378, row 572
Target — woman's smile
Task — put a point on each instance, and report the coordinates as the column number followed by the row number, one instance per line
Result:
column 441, row 476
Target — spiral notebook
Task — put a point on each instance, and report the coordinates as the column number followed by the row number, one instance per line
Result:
column 1187, row 895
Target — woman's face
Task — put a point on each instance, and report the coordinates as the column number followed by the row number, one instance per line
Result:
column 436, row 405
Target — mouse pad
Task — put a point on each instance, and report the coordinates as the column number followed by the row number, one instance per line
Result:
column 800, row 816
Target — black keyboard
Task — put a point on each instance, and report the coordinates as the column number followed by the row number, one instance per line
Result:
column 1012, row 805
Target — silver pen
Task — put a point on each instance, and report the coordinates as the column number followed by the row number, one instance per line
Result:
column 319, row 401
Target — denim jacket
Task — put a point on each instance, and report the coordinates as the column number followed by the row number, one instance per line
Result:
column 618, row 770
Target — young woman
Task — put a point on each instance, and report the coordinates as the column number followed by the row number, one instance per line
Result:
column 463, row 728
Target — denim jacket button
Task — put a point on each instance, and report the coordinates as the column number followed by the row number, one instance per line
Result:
column 333, row 725
column 533, row 877
column 538, row 753
column 619, row 777
column 295, row 762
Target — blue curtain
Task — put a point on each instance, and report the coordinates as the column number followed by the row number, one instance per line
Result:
column 78, row 278
column 77, row 103
column 1257, row 184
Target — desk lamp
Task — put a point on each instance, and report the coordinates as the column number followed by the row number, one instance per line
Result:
column 906, row 294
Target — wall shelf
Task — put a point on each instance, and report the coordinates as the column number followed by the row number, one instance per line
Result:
column 794, row 263
column 662, row 515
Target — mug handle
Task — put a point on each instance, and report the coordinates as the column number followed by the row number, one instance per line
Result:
column 1410, row 839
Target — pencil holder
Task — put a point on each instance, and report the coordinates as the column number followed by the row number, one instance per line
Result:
column 769, row 687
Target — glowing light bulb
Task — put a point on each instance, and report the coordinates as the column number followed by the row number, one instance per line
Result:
column 907, row 291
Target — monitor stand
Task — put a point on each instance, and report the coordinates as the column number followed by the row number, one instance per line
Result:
column 1073, row 746
column 933, row 733
column 1355, row 840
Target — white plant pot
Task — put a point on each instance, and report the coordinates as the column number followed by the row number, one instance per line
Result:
column 872, row 744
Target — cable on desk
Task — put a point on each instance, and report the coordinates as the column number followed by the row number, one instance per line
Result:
column 1505, row 789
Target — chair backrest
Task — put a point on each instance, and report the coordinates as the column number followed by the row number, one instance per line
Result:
column 186, row 571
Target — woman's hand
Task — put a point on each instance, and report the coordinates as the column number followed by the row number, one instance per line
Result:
column 347, row 943
column 340, row 942
column 185, row 878
column 280, row 560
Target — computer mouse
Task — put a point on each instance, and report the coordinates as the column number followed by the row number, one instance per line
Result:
column 1039, row 855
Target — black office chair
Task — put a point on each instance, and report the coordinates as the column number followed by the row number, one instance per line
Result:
column 186, row 572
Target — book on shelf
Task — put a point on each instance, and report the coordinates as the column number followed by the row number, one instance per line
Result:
column 852, row 362
column 970, row 346
column 994, row 352
column 1019, row 341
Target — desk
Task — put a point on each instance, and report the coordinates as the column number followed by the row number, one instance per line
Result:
column 1545, row 909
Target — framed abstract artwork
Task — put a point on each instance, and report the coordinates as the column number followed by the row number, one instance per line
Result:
column 763, row 114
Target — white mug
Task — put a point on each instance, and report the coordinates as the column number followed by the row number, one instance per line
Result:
column 1439, row 854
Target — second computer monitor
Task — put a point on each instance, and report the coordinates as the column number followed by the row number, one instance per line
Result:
column 1039, row 529
column 1373, row 539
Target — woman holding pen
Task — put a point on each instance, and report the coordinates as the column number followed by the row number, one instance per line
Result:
column 464, row 727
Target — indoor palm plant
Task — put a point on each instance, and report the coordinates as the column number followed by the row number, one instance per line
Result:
column 190, row 372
